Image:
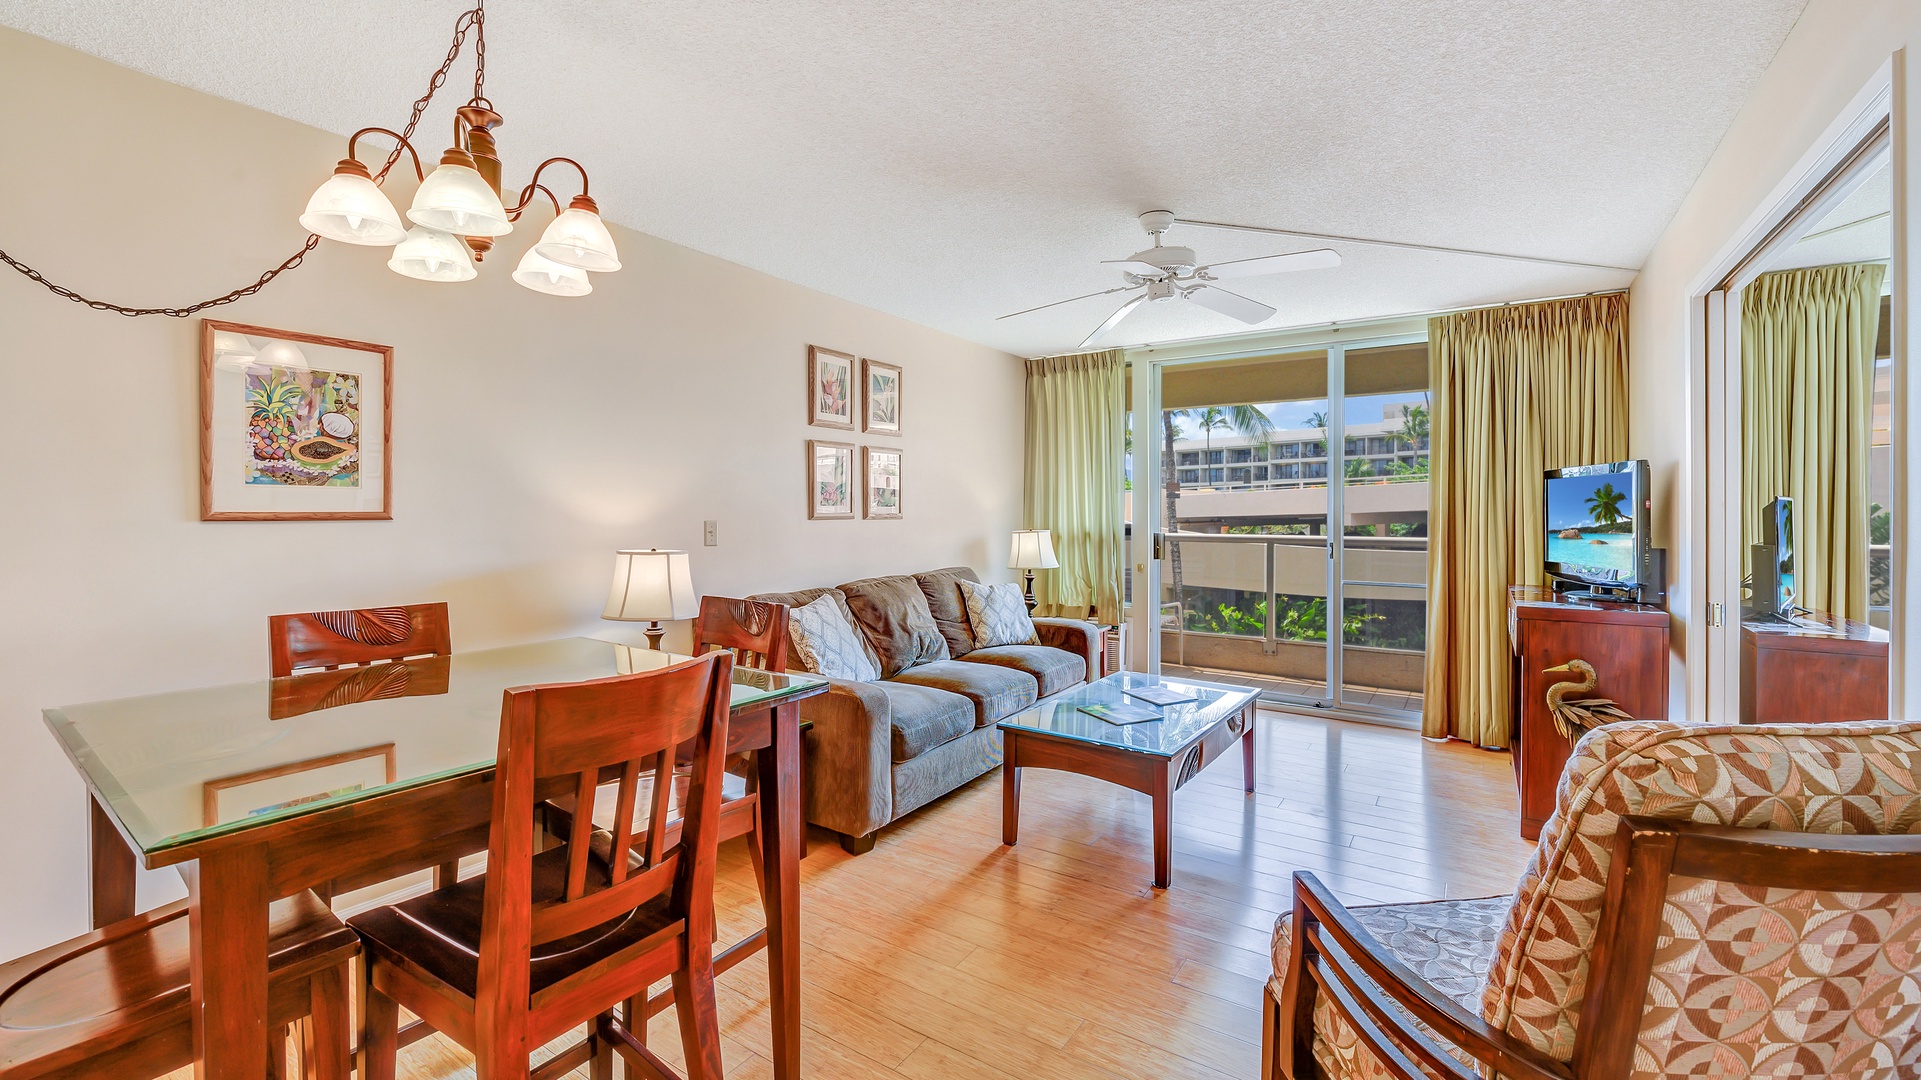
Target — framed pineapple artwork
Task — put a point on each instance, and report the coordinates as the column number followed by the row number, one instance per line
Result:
column 830, row 388
column 293, row 427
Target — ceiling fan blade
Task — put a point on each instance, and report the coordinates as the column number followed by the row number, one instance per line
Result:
column 1230, row 304
column 1135, row 266
column 1071, row 299
column 1114, row 320
column 1317, row 259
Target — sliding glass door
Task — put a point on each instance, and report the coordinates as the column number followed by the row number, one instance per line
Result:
column 1289, row 523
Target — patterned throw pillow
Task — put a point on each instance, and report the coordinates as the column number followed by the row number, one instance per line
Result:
column 998, row 614
column 827, row 644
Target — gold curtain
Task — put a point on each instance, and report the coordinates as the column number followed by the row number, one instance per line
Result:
column 1076, row 481
column 1517, row 390
column 1807, row 388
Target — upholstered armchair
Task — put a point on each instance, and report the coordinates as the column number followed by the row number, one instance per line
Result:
column 1706, row 900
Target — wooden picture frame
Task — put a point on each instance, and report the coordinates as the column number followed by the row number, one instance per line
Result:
column 831, row 476
column 880, row 482
column 285, row 426
column 211, row 790
column 880, row 397
column 831, row 392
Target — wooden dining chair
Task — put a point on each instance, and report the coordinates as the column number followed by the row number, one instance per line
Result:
column 115, row 1004
column 333, row 639
column 545, row 941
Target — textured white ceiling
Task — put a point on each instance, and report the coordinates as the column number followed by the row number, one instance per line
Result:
column 951, row 162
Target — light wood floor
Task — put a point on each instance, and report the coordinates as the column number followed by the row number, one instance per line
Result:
column 943, row 954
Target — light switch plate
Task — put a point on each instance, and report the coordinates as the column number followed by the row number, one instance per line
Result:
column 710, row 533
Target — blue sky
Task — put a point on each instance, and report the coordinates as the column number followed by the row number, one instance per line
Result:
column 1567, row 498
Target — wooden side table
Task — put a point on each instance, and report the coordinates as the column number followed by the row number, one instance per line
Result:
column 1821, row 669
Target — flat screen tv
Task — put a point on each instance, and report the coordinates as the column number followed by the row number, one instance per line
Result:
column 1776, row 551
column 1597, row 525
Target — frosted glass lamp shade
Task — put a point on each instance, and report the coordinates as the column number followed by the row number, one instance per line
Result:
column 350, row 208
column 579, row 238
column 652, row 586
column 1033, row 550
column 456, row 199
column 432, row 255
column 548, row 276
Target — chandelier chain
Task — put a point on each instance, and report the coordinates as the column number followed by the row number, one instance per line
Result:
column 468, row 21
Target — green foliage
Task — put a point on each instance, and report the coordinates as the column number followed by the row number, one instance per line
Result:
column 1880, row 524
column 1295, row 619
column 1605, row 504
column 1415, row 424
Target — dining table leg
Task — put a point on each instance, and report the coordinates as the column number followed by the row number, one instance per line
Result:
column 110, row 868
column 779, row 767
column 227, row 923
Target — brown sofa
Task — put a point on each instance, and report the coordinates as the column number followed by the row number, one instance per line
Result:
column 878, row 750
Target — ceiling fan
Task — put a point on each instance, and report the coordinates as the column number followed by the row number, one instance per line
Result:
column 1164, row 274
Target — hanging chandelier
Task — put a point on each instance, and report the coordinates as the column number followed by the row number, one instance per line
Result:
column 458, row 212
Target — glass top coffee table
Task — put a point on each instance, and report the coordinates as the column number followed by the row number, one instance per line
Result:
column 1154, row 757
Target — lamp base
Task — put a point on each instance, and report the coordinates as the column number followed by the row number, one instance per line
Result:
column 654, row 633
column 1031, row 601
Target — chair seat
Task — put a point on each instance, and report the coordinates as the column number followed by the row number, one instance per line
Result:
column 1449, row 943
column 129, row 983
column 439, row 933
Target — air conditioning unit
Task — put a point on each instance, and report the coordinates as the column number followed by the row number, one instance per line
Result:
column 1116, row 658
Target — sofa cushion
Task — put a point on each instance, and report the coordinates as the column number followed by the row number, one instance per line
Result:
column 941, row 587
column 825, row 641
column 996, row 692
column 924, row 717
column 893, row 614
column 1054, row 669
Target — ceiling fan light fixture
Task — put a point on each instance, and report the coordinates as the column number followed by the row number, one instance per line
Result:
column 352, row 209
column 543, row 275
column 456, row 199
column 578, row 238
column 432, row 255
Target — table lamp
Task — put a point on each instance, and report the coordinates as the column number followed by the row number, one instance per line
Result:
column 1033, row 550
column 650, row 586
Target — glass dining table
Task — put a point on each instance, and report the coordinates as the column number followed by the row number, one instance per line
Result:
column 258, row 790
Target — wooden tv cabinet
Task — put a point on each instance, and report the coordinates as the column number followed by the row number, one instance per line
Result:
column 1823, row 669
column 1626, row 643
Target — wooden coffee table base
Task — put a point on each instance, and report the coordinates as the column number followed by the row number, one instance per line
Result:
column 1150, row 774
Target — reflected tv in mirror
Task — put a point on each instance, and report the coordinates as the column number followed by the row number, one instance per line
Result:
column 1597, row 523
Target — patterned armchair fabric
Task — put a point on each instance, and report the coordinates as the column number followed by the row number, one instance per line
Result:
column 1746, row 981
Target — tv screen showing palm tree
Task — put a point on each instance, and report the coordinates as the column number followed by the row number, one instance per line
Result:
column 1590, row 523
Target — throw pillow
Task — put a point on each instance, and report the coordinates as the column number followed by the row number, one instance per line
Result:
column 998, row 614
column 892, row 613
column 949, row 610
column 826, row 643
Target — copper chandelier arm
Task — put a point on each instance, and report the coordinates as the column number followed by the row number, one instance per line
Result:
column 527, row 193
column 419, row 173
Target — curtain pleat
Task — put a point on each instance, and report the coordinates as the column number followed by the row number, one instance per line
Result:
column 1076, row 480
column 1517, row 390
column 1807, row 389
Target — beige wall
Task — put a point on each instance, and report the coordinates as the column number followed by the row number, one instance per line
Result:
column 532, row 434
column 1834, row 51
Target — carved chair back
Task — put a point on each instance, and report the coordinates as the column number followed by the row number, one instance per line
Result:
column 755, row 631
column 575, row 737
column 332, row 639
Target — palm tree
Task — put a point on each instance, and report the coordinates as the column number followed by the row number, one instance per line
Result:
column 1317, row 419
column 1245, row 419
column 1211, row 419
column 1605, row 504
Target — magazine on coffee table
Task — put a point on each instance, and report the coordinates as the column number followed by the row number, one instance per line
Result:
column 1122, row 713
column 1161, row 695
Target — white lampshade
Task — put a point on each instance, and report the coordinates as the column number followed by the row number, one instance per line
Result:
column 456, row 199
column 352, row 209
column 432, row 255
column 579, row 238
column 1033, row 550
column 652, row 586
column 547, row 276
column 283, row 354
column 232, row 350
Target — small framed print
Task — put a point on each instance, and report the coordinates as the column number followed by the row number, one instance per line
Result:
column 830, row 480
column 298, row 783
column 880, row 398
column 293, row 427
column 830, row 388
column 880, row 481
